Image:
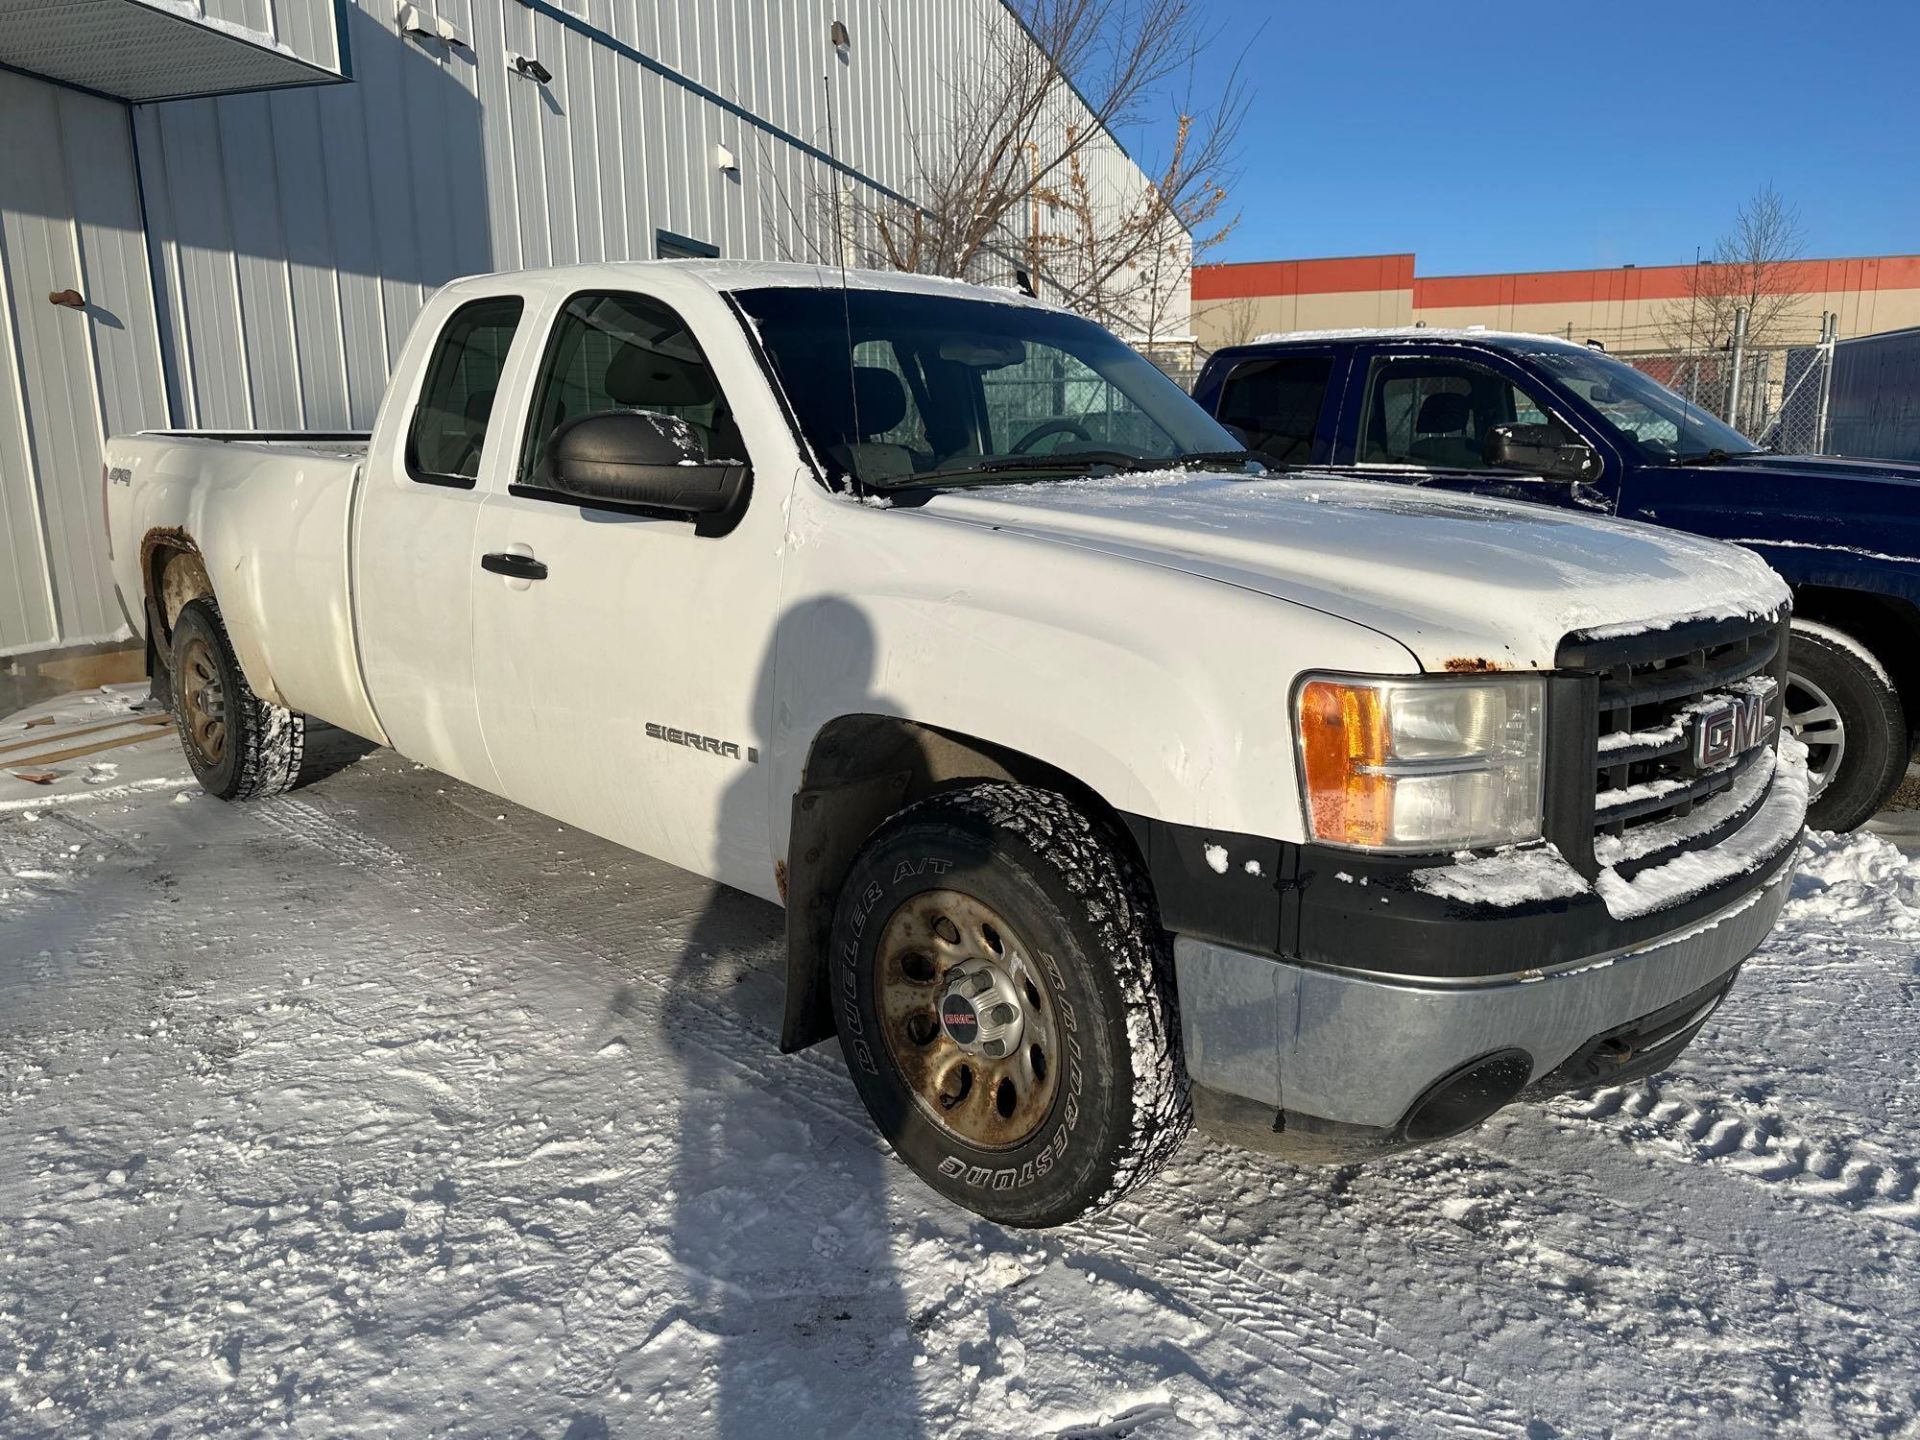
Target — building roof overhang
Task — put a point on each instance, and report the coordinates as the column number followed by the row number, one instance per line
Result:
column 141, row 50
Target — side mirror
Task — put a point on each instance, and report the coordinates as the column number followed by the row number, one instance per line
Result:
column 1544, row 449
column 639, row 458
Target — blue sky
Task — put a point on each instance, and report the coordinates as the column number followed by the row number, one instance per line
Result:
column 1491, row 135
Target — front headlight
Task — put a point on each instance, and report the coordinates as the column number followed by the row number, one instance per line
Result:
column 1432, row 764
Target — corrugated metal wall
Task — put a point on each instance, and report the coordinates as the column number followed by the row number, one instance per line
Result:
column 1875, row 405
column 296, row 233
column 70, row 221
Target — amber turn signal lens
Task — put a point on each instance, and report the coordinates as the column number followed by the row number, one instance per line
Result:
column 1421, row 763
column 1343, row 745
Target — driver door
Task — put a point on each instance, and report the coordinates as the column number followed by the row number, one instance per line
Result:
column 619, row 656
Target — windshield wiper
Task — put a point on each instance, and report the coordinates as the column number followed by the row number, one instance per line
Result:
column 1715, row 456
column 1076, row 463
column 1081, row 462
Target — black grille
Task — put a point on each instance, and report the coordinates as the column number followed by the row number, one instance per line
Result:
column 1645, row 691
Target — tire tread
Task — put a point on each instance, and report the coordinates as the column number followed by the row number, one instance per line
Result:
column 271, row 740
column 1119, row 904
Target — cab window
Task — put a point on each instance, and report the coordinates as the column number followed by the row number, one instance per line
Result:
column 456, row 402
column 1276, row 404
column 626, row 352
column 1437, row 413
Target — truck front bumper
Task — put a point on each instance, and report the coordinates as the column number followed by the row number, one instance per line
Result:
column 1328, row 1062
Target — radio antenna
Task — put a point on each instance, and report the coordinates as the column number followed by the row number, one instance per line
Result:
column 840, row 240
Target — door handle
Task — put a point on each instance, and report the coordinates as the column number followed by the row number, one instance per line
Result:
column 514, row 567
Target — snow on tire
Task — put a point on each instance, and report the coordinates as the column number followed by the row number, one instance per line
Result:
column 240, row 746
column 1004, row 997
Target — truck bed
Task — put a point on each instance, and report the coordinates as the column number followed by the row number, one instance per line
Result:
column 269, row 512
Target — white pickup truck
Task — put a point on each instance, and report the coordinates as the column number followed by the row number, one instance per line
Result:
column 1108, row 780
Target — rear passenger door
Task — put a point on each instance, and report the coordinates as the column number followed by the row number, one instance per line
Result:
column 414, row 566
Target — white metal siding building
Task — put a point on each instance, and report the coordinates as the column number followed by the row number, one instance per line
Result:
column 252, row 258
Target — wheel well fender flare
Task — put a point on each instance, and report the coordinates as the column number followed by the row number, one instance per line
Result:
column 1888, row 626
column 860, row 770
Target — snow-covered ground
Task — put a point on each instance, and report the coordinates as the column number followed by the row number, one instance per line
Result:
column 387, row 1109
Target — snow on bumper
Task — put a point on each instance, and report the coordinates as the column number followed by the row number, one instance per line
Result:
column 1359, row 1049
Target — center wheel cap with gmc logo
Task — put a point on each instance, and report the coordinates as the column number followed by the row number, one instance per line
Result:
column 980, row 1010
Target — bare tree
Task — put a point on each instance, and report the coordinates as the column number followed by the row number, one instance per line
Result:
column 1751, row 268
column 1129, row 265
column 1020, row 170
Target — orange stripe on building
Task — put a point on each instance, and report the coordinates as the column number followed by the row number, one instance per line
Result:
column 1340, row 276
column 1350, row 274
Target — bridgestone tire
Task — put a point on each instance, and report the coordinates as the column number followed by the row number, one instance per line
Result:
column 1119, row 1107
column 1875, row 758
column 262, row 744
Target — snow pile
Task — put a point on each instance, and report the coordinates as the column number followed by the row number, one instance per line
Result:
column 1856, row 880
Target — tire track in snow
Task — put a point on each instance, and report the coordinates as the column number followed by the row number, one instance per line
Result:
column 1851, row 1172
column 1312, row 1333
column 1341, row 1351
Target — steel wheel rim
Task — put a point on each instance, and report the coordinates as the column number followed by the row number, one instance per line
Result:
column 203, row 698
column 1814, row 720
column 937, row 940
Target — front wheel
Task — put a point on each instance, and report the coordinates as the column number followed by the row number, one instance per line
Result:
column 1004, row 997
column 240, row 746
column 1843, row 708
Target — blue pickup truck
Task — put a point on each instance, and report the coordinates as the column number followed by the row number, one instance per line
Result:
column 1534, row 418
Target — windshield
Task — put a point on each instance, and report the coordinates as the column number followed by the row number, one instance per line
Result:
column 1646, row 414
column 942, row 390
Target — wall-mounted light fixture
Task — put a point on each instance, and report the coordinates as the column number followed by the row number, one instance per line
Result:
column 842, row 42
column 416, row 21
column 724, row 160
column 531, row 68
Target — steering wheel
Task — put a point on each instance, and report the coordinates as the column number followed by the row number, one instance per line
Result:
column 1050, row 427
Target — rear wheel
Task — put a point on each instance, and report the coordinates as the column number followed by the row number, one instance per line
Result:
column 1844, row 709
column 240, row 746
column 1004, row 997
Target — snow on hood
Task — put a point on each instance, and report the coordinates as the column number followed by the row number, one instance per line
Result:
column 1462, row 581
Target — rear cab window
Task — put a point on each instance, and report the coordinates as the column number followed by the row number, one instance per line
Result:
column 455, row 409
column 1276, row 403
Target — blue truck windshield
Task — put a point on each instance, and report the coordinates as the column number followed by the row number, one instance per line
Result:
column 1657, row 423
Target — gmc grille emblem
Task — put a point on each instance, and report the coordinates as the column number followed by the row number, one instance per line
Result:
column 1733, row 727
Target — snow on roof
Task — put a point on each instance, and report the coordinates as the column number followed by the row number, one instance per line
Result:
column 733, row 275
column 1415, row 332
